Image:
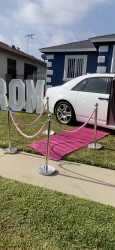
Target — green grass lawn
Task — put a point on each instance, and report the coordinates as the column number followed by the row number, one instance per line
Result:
column 103, row 158
column 33, row 218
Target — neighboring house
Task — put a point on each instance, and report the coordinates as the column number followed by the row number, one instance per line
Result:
column 68, row 61
column 15, row 64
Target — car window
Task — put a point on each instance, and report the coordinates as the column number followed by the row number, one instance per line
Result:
column 80, row 85
column 109, row 84
column 96, row 85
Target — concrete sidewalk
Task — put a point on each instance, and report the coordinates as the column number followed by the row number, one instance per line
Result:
column 96, row 184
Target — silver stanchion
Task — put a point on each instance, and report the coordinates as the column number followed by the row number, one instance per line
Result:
column 46, row 131
column 9, row 150
column 95, row 145
column 47, row 169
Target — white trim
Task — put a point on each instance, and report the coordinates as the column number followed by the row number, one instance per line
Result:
column 102, row 40
column 48, row 86
column 66, row 64
column 103, row 48
column 51, row 56
column 101, row 69
column 113, row 61
column 49, row 72
column 101, row 59
column 67, row 79
column 48, row 79
column 66, row 50
column 49, row 64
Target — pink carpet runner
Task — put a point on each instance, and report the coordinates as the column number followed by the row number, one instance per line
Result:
column 64, row 143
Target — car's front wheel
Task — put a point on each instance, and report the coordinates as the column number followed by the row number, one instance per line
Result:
column 64, row 112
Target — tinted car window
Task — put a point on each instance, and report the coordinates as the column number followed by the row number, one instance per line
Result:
column 80, row 85
column 96, row 85
column 109, row 83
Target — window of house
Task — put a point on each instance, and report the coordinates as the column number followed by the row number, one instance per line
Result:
column 11, row 67
column 96, row 85
column 29, row 69
column 74, row 66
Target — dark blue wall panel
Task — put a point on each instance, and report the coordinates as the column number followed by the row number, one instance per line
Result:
column 92, row 58
column 58, row 66
column 108, row 55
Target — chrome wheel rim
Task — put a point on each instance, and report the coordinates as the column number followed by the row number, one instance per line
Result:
column 64, row 113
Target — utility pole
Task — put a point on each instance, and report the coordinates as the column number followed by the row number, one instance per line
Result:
column 28, row 37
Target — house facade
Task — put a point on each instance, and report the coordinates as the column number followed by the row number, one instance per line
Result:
column 15, row 64
column 67, row 61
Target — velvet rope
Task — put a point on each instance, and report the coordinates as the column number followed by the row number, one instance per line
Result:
column 21, row 123
column 76, row 129
column 27, row 136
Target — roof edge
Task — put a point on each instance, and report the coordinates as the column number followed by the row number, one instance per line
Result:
column 6, row 48
column 102, row 39
column 67, row 50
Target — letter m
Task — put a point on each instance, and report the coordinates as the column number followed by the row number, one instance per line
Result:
column 34, row 96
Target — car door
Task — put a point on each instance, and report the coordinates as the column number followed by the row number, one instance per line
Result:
column 95, row 90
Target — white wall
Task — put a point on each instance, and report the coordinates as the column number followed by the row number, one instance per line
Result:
column 19, row 64
column 113, row 61
column 3, row 65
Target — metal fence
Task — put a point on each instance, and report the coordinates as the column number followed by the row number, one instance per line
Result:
column 75, row 67
column 20, row 77
column 38, row 76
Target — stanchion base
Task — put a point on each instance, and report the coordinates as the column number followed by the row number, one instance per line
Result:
column 10, row 150
column 42, row 170
column 95, row 146
column 46, row 132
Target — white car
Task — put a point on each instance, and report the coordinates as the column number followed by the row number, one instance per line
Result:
column 77, row 99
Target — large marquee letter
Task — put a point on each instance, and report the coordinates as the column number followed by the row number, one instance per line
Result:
column 3, row 98
column 34, row 96
column 17, row 85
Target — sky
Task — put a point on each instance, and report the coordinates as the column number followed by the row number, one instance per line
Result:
column 54, row 22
